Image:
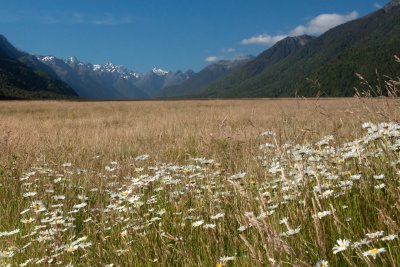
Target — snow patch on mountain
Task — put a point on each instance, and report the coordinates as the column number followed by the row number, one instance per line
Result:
column 96, row 67
column 159, row 72
column 47, row 59
column 72, row 60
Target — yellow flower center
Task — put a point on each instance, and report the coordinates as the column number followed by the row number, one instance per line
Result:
column 374, row 251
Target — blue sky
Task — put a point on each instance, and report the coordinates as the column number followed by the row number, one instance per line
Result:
column 168, row 34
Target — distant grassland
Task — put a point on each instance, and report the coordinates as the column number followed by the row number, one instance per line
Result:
column 227, row 131
column 195, row 183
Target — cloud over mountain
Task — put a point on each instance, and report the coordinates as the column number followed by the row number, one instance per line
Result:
column 322, row 23
column 263, row 39
column 315, row 26
column 211, row 59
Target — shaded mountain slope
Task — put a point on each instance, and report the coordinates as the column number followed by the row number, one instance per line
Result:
column 28, row 81
column 326, row 64
column 199, row 81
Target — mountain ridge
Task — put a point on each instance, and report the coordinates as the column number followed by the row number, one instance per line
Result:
column 329, row 60
column 24, row 77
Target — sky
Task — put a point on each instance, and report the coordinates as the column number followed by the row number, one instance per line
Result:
column 168, row 34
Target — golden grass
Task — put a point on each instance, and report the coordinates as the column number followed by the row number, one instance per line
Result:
column 170, row 131
column 152, row 214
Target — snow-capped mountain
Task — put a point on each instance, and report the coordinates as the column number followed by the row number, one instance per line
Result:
column 110, row 81
column 96, row 81
column 121, row 70
column 108, row 67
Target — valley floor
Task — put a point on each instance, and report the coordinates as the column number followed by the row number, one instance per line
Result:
column 73, row 130
column 200, row 183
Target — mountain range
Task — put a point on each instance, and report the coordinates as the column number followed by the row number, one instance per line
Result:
column 199, row 81
column 234, row 71
column 327, row 65
column 109, row 81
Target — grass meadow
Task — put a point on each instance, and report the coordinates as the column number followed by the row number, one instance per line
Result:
column 299, row 182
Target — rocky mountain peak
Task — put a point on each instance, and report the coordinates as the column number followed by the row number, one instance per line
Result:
column 299, row 40
column 391, row 5
column 72, row 60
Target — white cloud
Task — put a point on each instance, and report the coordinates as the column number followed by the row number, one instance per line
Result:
column 211, row 59
column 315, row 26
column 377, row 5
column 263, row 39
column 322, row 23
column 96, row 19
column 74, row 18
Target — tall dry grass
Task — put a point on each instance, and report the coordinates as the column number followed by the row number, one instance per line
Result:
column 164, row 223
column 171, row 131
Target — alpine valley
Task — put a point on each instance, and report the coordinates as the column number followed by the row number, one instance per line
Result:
column 326, row 65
